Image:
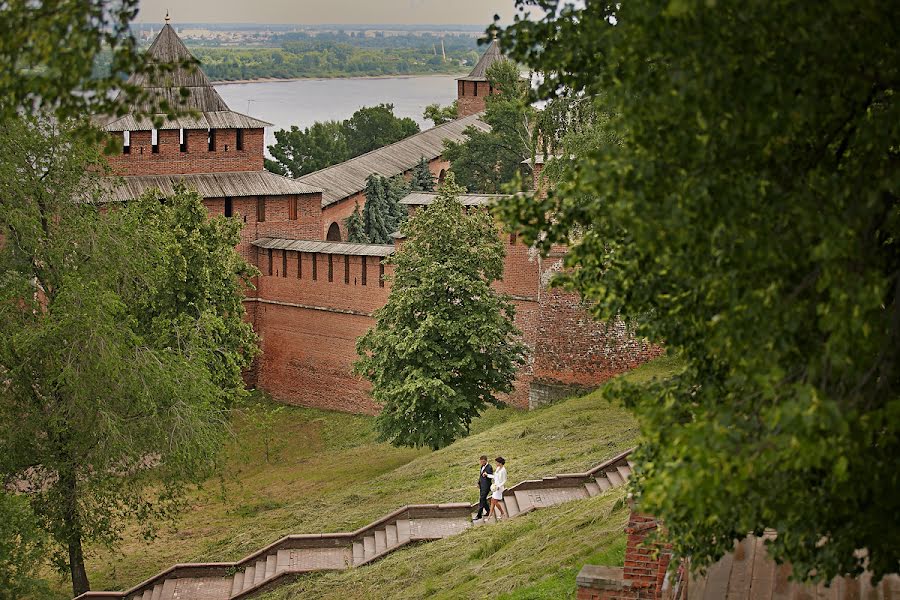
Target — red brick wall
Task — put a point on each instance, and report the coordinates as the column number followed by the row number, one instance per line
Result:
column 198, row 159
column 643, row 574
column 307, row 356
column 277, row 224
column 308, row 328
column 470, row 100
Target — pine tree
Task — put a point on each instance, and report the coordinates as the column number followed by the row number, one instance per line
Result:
column 356, row 228
column 422, row 178
column 444, row 344
column 383, row 214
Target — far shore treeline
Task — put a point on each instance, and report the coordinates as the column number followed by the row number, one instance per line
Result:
column 332, row 55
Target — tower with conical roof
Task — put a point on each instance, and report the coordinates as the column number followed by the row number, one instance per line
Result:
column 209, row 147
column 473, row 89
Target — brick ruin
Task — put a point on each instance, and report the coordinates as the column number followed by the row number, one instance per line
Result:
column 314, row 299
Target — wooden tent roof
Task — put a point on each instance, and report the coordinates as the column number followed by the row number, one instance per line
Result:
column 209, row 185
column 175, row 78
column 347, row 178
column 490, row 56
column 321, row 247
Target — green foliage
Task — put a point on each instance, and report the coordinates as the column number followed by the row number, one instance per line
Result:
column 47, row 51
column 438, row 114
column 382, row 214
column 422, row 178
column 373, row 127
column 298, row 152
column 445, row 343
column 356, row 227
column 21, row 548
column 749, row 216
column 488, row 160
column 325, row 143
column 264, row 419
column 121, row 342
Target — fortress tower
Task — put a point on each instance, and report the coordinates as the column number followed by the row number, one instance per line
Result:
column 474, row 88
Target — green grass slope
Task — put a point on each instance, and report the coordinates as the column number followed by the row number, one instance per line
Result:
column 330, row 474
column 533, row 557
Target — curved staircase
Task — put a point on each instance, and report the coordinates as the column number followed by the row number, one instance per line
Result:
column 295, row 554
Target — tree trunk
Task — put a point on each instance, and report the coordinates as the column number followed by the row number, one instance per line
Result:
column 80, row 584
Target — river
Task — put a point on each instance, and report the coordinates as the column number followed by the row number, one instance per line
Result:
column 303, row 102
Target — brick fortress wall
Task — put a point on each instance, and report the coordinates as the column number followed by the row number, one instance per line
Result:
column 141, row 160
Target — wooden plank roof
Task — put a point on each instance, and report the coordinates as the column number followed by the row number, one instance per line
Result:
column 324, row 247
column 209, row 185
column 490, row 56
column 748, row 573
column 349, row 177
column 222, row 119
column 164, row 82
column 426, row 198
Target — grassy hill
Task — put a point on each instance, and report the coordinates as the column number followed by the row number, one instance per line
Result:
column 328, row 473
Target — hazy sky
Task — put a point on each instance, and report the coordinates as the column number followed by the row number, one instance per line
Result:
column 476, row 12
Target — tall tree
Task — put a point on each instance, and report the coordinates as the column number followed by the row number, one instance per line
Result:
column 444, row 344
column 750, row 217
column 422, row 178
column 438, row 114
column 382, row 214
column 121, row 342
column 372, row 127
column 487, row 160
column 298, row 152
column 22, row 546
column 356, row 227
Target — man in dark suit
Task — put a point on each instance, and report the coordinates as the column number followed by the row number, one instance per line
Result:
column 484, row 487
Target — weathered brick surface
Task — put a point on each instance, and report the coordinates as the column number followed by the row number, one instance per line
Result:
column 471, row 99
column 644, row 571
column 198, row 158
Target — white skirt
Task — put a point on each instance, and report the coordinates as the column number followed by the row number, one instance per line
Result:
column 497, row 494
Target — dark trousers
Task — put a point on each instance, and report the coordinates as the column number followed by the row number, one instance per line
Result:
column 483, row 503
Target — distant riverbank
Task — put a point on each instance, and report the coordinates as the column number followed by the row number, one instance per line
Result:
column 460, row 73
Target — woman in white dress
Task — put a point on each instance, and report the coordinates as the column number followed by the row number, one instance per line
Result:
column 499, row 477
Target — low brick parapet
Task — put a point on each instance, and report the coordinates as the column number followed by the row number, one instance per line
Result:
column 602, row 583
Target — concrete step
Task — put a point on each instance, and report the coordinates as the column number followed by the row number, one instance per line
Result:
column 271, row 564
column 630, row 464
column 523, row 502
column 157, row 592
column 603, row 483
column 368, row 547
column 260, row 574
column 380, row 541
column 403, row 534
column 391, row 533
column 237, row 583
column 359, row 553
column 147, row 594
column 592, row 488
column 614, row 478
column 624, row 471
column 168, row 589
column 512, row 507
column 283, row 561
column 249, row 574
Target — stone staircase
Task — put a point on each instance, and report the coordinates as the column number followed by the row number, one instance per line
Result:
column 296, row 554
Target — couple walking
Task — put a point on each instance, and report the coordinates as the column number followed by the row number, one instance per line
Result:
column 491, row 482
